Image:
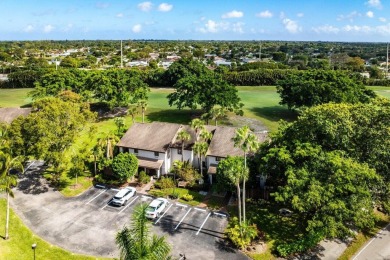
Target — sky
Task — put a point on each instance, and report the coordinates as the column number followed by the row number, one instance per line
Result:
column 290, row 20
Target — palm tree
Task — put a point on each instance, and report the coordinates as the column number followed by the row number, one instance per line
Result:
column 143, row 104
column 246, row 140
column 132, row 111
column 200, row 149
column 197, row 124
column 135, row 242
column 7, row 181
column 183, row 136
column 218, row 113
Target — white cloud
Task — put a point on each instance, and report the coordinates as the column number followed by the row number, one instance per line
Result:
column 238, row 27
column 233, row 14
column 356, row 28
column 119, row 15
column 374, row 3
column 48, row 28
column 326, row 29
column 214, row 27
column 145, row 6
column 137, row 28
column 164, row 7
column 382, row 19
column 29, row 28
column 351, row 16
column 291, row 26
column 300, row 14
column 370, row 14
column 265, row 14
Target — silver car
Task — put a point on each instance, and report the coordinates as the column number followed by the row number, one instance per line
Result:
column 156, row 207
column 123, row 196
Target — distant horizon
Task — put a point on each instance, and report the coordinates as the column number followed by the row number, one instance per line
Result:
column 174, row 20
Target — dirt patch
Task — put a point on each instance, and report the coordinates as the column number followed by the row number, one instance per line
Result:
column 254, row 125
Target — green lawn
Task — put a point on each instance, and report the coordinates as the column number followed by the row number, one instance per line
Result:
column 14, row 97
column 18, row 246
column 381, row 91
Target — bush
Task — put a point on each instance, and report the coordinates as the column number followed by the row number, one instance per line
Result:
column 143, row 177
column 157, row 193
column 241, row 236
column 174, row 195
column 301, row 245
column 187, row 197
column 165, row 183
column 124, row 166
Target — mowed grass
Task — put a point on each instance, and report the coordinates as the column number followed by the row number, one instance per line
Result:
column 18, row 246
column 14, row 97
column 381, row 91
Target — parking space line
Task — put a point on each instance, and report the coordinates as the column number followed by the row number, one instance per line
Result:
column 114, row 189
column 96, row 196
column 183, row 218
column 199, row 209
column 181, row 205
column 220, row 214
column 163, row 214
column 108, row 203
column 131, row 202
column 204, row 222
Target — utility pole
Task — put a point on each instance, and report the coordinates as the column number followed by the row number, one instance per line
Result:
column 121, row 55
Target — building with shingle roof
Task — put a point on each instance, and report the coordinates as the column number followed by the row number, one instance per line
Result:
column 156, row 146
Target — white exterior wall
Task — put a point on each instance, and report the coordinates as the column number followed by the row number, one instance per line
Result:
column 188, row 155
column 148, row 154
column 211, row 160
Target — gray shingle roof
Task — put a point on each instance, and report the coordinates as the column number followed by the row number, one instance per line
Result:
column 154, row 136
column 9, row 114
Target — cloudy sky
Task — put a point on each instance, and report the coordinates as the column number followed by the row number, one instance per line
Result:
column 331, row 20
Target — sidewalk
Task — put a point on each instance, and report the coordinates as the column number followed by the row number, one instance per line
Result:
column 145, row 189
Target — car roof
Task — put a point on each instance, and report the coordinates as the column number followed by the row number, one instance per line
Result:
column 156, row 202
column 122, row 192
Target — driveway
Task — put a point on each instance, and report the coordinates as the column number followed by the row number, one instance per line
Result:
column 88, row 224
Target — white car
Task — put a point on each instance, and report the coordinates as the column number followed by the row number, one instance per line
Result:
column 123, row 196
column 156, row 207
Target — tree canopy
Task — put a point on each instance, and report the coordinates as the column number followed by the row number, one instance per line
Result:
column 124, row 166
column 315, row 87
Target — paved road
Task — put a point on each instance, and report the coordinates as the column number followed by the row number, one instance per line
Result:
column 378, row 248
column 87, row 224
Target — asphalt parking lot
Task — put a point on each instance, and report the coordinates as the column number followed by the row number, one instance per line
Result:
column 87, row 224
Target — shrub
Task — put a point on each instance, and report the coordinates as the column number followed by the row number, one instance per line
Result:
column 157, row 193
column 165, row 183
column 124, row 166
column 143, row 177
column 301, row 245
column 187, row 197
column 241, row 236
column 174, row 195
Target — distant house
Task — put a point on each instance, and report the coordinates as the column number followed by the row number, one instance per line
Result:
column 9, row 114
column 156, row 146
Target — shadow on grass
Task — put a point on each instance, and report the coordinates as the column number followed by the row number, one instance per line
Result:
column 172, row 116
column 275, row 113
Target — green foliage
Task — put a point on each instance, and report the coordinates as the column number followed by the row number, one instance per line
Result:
column 183, row 68
column 230, row 173
column 259, row 77
column 164, row 183
column 186, row 172
column 187, row 197
column 240, row 235
column 124, row 166
column 299, row 246
column 315, row 87
column 143, row 177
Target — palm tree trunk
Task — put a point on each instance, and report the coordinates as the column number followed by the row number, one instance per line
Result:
column 7, row 219
column 182, row 151
column 143, row 115
column 239, row 202
column 94, row 164
column 216, row 122
column 243, row 192
column 201, row 165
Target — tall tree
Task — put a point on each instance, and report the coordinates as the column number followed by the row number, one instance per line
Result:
column 135, row 243
column 233, row 169
column 197, row 124
column 132, row 111
column 200, row 149
column 143, row 104
column 183, row 136
column 246, row 140
column 8, row 180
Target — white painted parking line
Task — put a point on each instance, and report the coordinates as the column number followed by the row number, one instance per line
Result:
column 96, row 196
column 108, row 203
column 220, row 214
column 163, row 214
column 199, row 209
column 115, row 189
column 183, row 218
column 131, row 202
column 203, row 223
column 100, row 186
column 181, row 205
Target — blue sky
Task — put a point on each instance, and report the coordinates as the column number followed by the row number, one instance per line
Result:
column 331, row 20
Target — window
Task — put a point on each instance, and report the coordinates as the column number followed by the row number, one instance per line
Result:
column 218, row 159
column 169, row 153
column 156, row 154
column 179, row 151
column 135, row 150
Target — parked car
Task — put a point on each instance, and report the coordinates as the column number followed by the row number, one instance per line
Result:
column 123, row 196
column 156, row 207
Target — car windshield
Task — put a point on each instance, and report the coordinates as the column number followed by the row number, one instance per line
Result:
column 118, row 197
column 150, row 209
